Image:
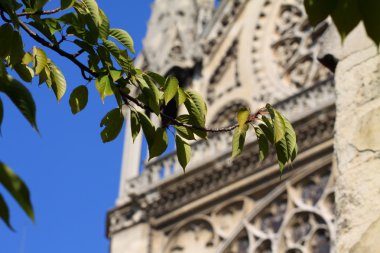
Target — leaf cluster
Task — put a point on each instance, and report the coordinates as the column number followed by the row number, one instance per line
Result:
column 346, row 15
column 104, row 56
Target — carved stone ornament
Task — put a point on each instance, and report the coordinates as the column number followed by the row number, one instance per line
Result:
column 297, row 216
column 285, row 49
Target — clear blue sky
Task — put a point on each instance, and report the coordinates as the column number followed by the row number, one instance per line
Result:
column 73, row 177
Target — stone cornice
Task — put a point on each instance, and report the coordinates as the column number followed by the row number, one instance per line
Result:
column 152, row 197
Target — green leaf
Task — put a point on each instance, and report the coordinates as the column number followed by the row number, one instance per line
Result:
column 160, row 143
column 115, row 75
column 39, row 60
column 285, row 142
column 242, row 117
column 17, row 188
column 6, row 34
column 135, row 124
column 113, row 123
column 183, row 152
column 180, row 97
column 27, row 58
column 278, row 123
column 148, row 128
column 78, row 99
column 263, row 143
column 93, row 8
column 157, row 78
column 151, row 92
column 17, row 49
column 58, row 81
column 123, row 37
column 103, row 85
column 370, row 10
column 186, row 132
column 318, row 10
column 65, row 4
column 268, row 129
column 39, row 4
column 196, row 107
column 104, row 28
column 112, row 48
column 238, row 140
column 346, row 16
column 21, row 97
column 4, row 212
column 171, row 88
column 25, row 72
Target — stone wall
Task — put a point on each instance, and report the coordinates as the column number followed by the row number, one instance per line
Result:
column 357, row 145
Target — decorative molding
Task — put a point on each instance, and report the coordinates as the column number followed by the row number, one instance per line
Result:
column 156, row 193
column 284, row 43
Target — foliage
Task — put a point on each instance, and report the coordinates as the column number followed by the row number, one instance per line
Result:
column 346, row 15
column 108, row 54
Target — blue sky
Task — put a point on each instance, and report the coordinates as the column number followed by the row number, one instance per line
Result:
column 73, row 177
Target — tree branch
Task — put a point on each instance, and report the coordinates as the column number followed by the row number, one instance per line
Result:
column 57, row 49
column 126, row 97
column 49, row 12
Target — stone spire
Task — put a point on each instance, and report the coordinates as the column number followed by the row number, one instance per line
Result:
column 172, row 33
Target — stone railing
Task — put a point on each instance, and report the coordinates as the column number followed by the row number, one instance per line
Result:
column 167, row 167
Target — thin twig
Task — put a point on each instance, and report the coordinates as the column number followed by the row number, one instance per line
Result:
column 126, row 97
column 58, row 50
column 39, row 13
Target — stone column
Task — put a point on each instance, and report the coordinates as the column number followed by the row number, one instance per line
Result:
column 131, row 158
column 357, row 145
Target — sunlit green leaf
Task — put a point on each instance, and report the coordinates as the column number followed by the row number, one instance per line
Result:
column 196, row 107
column 104, row 28
column 278, row 124
column 123, row 37
column 27, row 58
column 103, row 85
column 78, row 99
column 93, row 8
column 17, row 188
column 112, row 123
column 58, row 81
column 180, row 97
column 242, row 117
column 39, row 60
column 238, row 140
column 171, row 88
column 183, row 152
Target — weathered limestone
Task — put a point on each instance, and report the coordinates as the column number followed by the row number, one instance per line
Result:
column 357, row 145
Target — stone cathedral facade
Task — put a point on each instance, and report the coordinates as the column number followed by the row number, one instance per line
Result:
column 242, row 53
